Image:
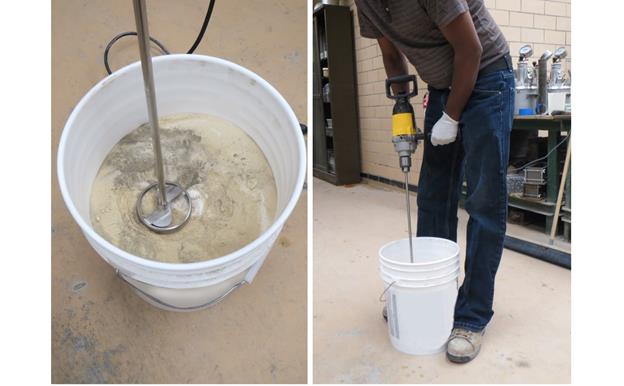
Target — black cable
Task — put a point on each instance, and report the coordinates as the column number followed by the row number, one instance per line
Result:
column 161, row 46
column 121, row 35
column 203, row 27
column 539, row 159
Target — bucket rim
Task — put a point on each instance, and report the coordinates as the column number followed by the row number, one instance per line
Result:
column 419, row 276
column 422, row 269
column 195, row 266
column 402, row 284
column 454, row 273
column 455, row 255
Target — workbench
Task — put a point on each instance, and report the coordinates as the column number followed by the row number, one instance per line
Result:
column 555, row 125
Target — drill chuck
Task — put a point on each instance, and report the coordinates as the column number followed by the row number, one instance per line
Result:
column 405, row 145
column 406, row 163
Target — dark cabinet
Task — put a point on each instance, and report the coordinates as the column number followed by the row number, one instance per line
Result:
column 336, row 143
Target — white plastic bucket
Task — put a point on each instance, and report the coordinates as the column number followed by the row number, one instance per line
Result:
column 420, row 296
column 184, row 84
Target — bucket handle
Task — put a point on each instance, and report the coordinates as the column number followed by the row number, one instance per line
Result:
column 205, row 305
column 381, row 298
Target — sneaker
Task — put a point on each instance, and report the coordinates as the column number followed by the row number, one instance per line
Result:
column 463, row 345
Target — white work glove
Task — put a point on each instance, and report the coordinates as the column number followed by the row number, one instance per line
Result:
column 444, row 131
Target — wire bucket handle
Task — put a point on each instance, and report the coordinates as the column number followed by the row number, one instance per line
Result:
column 192, row 308
column 381, row 297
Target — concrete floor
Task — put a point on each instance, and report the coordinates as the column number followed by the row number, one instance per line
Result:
column 101, row 331
column 528, row 340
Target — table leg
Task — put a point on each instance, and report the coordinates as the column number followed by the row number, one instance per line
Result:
column 552, row 172
column 568, row 203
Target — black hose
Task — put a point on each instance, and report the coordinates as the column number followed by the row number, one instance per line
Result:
column 549, row 255
column 161, row 46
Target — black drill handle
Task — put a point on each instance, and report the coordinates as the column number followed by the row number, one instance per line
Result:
column 401, row 79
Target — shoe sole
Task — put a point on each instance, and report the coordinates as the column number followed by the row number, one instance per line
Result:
column 462, row 359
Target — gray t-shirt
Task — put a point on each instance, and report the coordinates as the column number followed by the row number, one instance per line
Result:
column 414, row 28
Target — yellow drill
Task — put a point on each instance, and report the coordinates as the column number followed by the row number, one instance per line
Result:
column 405, row 134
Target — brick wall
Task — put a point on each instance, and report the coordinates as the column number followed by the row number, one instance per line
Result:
column 543, row 24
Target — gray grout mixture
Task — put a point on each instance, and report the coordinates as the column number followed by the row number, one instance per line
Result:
column 229, row 180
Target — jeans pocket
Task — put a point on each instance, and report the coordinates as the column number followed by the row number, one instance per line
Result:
column 490, row 87
column 485, row 92
column 482, row 115
column 484, row 101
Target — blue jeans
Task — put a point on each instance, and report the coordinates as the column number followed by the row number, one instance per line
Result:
column 480, row 155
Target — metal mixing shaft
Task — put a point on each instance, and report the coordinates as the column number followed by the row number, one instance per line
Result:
column 161, row 218
column 405, row 145
column 409, row 216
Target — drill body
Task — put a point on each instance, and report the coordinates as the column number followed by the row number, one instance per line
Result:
column 404, row 132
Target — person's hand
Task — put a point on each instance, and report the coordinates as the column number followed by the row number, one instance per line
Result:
column 444, row 131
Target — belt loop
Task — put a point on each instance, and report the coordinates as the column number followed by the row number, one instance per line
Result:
column 508, row 61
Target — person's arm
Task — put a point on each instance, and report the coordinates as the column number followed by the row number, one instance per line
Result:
column 394, row 63
column 462, row 36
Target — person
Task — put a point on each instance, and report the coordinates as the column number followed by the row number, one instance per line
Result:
column 459, row 51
